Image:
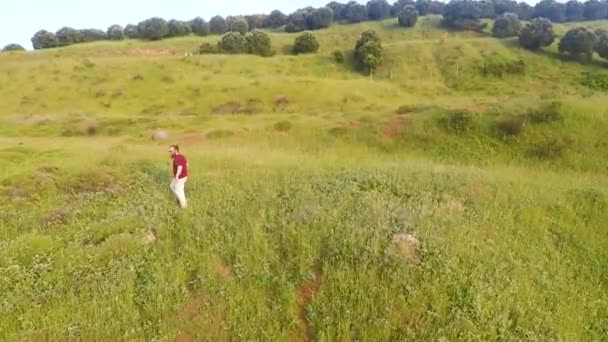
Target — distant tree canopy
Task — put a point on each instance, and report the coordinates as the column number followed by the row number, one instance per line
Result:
column 177, row 28
column 237, row 24
column 462, row 15
column 378, row 9
column 525, row 11
column 309, row 19
column 575, row 11
column 355, row 12
column 504, row 6
column 508, row 25
column 408, row 16
column 218, row 25
column 200, row 27
column 68, row 36
column 537, row 33
column 487, row 8
column 44, row 39
column 595, row 10
column 399, row 5
column 275, row 19
column 115, row 32
column 255, row 21
column 425, row 7
column 338, row 8
column 13, row 47
column 306, row 43
column 153, row 29
column 92, row 35
column 368, row 52
column 550, row 9
column 578, row 43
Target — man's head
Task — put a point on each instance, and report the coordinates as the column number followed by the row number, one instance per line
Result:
column 173, row 150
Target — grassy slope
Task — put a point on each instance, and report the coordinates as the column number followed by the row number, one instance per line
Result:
column 289, row 233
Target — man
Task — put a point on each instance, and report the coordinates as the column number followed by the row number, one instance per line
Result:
column 180, row 175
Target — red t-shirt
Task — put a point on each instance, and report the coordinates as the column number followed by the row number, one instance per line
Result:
column 180, row 160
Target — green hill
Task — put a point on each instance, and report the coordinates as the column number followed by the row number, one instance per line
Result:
column 307, row 181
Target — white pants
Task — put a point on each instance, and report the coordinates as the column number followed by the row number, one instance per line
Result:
column 177, row 187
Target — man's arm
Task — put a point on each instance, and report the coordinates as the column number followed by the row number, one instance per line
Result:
column 179, row 171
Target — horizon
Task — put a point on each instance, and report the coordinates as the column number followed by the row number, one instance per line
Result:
column 72, row 13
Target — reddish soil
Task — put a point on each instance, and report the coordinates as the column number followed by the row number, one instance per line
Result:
column 393, row 127
column 305, row 295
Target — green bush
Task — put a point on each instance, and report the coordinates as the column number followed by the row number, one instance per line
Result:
column 601, row 44
column 115, row 32
column 369, row 52
column 207, row 48
column 282, row 126
column 510, row 125
column 578, row 43
column 306, row 43
column 13, row 47
column 538, row 33
column 259, row 43
column 499, row 68
column 131, row 31
column 153, row 29
column 339, row 57
column 458, row 121
column 233, row 43
column 44, row 39
column 550, row 147
column 595, row 80
column 408, row 16
column 547, row 113
column 508, row 25
column 239, row 25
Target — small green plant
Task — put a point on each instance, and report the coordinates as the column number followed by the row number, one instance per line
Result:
column 547, row 113
column 219, row 134
column 233, row 43
column 207, row 48
column 510, row 125
column 499, row 68
column 595, row 80
column 306, row 43
column 458, row 121
column 282, row 126
column 339, row 57
column 550, row 147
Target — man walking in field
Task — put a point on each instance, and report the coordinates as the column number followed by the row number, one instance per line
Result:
column 180, row 175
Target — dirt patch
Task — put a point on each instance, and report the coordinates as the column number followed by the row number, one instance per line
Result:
column 281, row 102
column 479, row 107
column 149, row 238
column 231, row 107
column 354, row 124
column 408, row 247
column 393, row 127
column 151, row 52
column 305, row 294
column 184, row 338
column 222, row 270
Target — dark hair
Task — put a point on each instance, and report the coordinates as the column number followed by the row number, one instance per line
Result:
column 176, row 147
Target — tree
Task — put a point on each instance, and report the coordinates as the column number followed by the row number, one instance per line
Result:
column 462, row 15
column 296, row 22
column 408, row 16
column 504, row 6
column 355, row 12
column 550, row 9
column 601, row 44
column 187, row 27
column 44, row 39
column 233, row 43
column 575, row 11
column 276, row 19
column 68, row 36
column 378, row 9
column 92, row 35
column 258, row 43
column 537, row 33
column 153, row 29
column 525, row 11
column 199, row 26
column 255, row 21
column 487, row 9
column 399, row 5
column 218, row 25
column 115, row 32
column 238, row 24
column 578, row 43
column 176, row 28
column 338, row 8
column 596, row 10
column 306, row 43
column 131, row 31
column 319, row 18
column 508, row 25
column 369, row 52
column 13, row 47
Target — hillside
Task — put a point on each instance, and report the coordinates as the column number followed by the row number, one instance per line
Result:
column 307, row 180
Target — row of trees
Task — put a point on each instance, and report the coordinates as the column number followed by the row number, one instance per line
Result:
column 12, row 47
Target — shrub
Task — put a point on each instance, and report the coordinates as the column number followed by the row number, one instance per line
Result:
column 507, row 25
column 578, row 42
column 259, row 43
column 547, row 113
column 233, row 43
column 355, row 12
column 68, row 36
column 275, row 19
column 282, row 126
column 550, row 9
column 601, row 44
column 115, row 32
column 499, row 68
column 510, row 125
column 239, row 25
column 459, row 121
column 378, row 9
column 13, row 47
column 550, row 147
column 218, row 25
column 208, row 48
column 369, row 52
column 131, row 32
column 462, row 15
column 44, row 39
column 595, row 80
column 408, row 16
column 537, row 33
column 199, row 26
column 153, row 29
column 306, row 43
column 339, row 56
column 176, row 28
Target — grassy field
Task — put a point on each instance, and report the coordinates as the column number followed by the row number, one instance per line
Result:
column 304, row 178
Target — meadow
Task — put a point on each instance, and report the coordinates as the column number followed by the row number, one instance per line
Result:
column 305, row 176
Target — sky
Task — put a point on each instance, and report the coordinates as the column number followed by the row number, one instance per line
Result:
column 23, row 18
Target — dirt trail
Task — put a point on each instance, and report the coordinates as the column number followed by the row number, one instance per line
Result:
column 306, row 294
